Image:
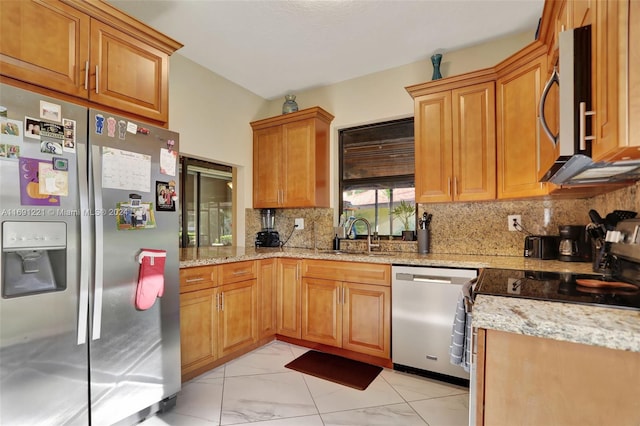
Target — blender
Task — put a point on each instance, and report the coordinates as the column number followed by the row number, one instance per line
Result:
column 268, row 237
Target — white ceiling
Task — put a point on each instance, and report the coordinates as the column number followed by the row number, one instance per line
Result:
column 274, row 47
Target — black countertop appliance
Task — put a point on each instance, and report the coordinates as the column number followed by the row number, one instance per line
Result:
column 268, row 237
column 541, row 246
column 575, row 244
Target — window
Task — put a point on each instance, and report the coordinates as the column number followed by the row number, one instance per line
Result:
column 377, row 176
column 206, row 212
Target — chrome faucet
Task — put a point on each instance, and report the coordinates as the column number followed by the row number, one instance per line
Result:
column 366, row 222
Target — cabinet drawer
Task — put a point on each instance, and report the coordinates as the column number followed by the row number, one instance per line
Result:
column 367, row 273
column 198, row 278
column 238, row 271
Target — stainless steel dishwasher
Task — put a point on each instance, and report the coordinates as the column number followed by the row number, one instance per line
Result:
column 423, row 307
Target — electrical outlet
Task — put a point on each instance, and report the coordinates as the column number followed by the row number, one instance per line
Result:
column 512, row 219
column 513, row 286
column 299, row 223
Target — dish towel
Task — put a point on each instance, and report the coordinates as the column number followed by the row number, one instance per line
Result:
column 150, row 278
column 460, row 348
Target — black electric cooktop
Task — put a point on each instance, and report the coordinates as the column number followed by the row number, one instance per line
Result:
column 554, row 287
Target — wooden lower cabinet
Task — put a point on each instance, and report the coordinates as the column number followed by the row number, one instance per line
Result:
column 218, row 314
column 288, row 298
column 347, row 315
column 198, row 329
column 228, row 309
column 322, row 311
column 537, row 381
column 350, row 315
column 237, row 316
column 267, row 295
column 366, row 319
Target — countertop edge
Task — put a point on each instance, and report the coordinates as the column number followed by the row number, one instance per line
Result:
column 591, row 325
column 204, row 257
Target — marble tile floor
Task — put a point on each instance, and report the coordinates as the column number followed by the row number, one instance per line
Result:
column 257, row 389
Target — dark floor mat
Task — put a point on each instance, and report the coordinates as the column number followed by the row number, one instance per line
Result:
column 337, row 369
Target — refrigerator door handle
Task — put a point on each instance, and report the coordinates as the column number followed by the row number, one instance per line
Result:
column 99, row 238
column 85, row 248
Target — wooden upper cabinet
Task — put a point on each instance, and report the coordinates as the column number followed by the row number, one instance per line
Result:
column 455, row 144
column 617, row 81
column 291, row 160
column 131, row 76
column 89, row 51
column 582, row 12
column 474, row 142
column 521, row 154
column 45, row 43
column 563, row 15
column 433, row 148
column 267, row 170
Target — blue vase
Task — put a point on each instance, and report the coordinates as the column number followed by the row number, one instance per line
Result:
column 435, row 60
column 290, row 104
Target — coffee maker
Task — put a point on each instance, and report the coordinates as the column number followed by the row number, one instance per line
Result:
column 575, row 244
column 267, row 237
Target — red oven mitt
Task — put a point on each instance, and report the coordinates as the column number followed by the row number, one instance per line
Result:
column 151, row 277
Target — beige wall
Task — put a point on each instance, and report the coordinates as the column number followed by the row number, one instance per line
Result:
column 212, row 114
column 382, row 96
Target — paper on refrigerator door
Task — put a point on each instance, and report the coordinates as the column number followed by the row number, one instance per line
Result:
column 125, row 170
column 168, row 162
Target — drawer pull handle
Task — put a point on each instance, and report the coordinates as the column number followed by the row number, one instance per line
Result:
column 194, row 280
column 432, row 357
column 244, row 271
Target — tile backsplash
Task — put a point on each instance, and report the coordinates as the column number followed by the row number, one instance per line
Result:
column 456, row 228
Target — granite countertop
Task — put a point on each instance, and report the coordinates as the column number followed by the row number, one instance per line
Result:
column 592, row 325
column 203, row 256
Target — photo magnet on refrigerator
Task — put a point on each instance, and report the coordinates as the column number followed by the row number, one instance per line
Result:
column 99, row 124
column 111, row 127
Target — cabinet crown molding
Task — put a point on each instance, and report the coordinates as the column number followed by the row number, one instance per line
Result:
column 304, row 114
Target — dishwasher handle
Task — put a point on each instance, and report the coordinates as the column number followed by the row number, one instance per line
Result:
column 423, row 278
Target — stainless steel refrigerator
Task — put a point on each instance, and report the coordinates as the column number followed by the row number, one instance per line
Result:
column 89, row 313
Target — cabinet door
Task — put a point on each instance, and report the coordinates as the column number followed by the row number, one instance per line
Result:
column 299, row 166
column 617, row 85
column 366, row 319
column 582, row 12
column 45, row 43
column 267, row 167
column 197, row 329
column 520, row 152
column 433, row 149
column 131, row 76
column 474, row 142
column 537, row 381
column 267, row 293
column 322, row 311
column 288, row 298
column 237, row 317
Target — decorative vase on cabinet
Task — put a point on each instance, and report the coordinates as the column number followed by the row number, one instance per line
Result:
column 290, row 104
column 435, row 60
